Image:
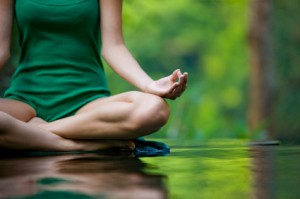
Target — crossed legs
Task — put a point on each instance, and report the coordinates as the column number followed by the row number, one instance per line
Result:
column 103, row 123
column 124, row 116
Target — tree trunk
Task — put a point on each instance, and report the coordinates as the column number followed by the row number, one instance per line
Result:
column 262, row 72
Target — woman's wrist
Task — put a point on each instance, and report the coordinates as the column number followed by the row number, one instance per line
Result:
column 146, row 85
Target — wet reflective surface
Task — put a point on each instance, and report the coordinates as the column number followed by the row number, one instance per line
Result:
column 223, row 169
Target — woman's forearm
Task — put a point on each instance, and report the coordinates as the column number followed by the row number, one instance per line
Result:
column 124, row 64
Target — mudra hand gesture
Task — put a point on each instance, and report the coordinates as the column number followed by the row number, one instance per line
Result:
column 169, row 87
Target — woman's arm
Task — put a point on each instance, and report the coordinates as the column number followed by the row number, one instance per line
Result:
column 6, row 18
column 122, row 62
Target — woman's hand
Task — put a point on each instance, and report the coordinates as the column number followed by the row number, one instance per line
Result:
column 169, row 87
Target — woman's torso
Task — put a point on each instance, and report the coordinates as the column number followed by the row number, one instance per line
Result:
column 60, row 51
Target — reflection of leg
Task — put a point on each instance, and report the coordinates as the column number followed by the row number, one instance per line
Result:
column 125, row 116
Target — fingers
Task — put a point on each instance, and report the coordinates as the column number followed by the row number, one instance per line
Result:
column 179, row 87
column 172, row 88
column 172, row 91
column 179, row 84
column 182, row 84
column 170, row 96
column 174, row 75
column 185, row 80
column 178, row 90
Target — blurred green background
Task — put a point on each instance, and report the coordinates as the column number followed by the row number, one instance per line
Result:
column 209, row 40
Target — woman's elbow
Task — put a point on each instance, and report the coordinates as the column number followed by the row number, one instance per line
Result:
column 104, row 53
column 107, row 52
column 109, row 48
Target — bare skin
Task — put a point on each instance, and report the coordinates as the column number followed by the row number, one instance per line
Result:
column 103, row 123
column 19, row 135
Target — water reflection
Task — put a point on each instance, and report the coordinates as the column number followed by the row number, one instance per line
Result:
column 218, row 170
column 79, row 176
column 263, row 163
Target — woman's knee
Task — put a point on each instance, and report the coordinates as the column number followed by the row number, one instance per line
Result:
column 158, row 110
column 152, row 112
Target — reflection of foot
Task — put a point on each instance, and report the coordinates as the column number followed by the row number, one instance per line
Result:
column 150, row 148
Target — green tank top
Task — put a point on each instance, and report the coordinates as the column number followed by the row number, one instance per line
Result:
column 60, row 68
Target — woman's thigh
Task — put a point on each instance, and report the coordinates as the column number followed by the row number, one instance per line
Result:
column 122, row 97
column 17, row 109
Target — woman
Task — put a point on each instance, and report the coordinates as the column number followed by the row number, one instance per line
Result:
column 58, row 99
